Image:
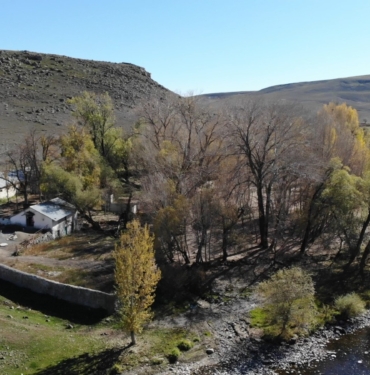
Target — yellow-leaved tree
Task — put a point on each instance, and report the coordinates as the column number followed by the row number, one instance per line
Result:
column 136, row 277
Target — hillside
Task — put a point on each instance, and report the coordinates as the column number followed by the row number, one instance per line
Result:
column 355, row 91
column 34, row 89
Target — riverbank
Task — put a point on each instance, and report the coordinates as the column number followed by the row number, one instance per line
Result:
column 254, row 356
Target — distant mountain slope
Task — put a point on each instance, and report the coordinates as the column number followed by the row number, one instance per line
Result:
column 354, row 91
column 34, row 89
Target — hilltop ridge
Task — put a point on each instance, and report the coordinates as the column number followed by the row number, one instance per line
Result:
column 34, row 88
column 355, row 91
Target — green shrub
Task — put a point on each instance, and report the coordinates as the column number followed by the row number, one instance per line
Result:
column 173, row 355
column 288, row 303
column 349, row 305
column 185, row 345
column 365, row 296
column 156, row 361
column 259, row 317
column 326, row 315
column 116, row 369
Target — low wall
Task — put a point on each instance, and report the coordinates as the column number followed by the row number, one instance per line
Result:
column 74, row 294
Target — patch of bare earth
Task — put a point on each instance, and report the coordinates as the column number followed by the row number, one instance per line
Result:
column 83, row 259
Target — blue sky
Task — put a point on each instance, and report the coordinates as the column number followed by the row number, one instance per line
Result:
column 201, row 45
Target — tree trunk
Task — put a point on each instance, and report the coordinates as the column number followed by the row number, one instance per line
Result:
column 356, row 251
column 263, row 226
column 267, row 215
column 201, row 244
column 183, row 252
column 364, row 259
column 133, row 338
column 307, row 232
column 25, row 197
column 225, row 234
column 89, row 219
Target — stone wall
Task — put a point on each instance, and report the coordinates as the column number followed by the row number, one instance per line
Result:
column 74, row 294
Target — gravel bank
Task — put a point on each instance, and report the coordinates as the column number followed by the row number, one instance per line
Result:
column 237, row 355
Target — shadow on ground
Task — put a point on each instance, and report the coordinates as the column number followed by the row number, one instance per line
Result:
column 50, row 305
column 86, row 364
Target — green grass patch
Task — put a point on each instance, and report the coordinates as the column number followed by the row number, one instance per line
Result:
column 166, row 339
column 31, row 342
column 157, row 361
column 184, row 345
column 161, row 347
column 259, row 317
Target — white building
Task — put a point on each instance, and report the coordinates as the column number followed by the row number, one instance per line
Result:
column 56, row 215
column 120, row 205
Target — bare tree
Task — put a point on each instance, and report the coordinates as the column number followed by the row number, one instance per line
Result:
column 182, row 142
column 265, row 135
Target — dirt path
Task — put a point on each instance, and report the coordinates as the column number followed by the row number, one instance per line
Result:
column 12, row 240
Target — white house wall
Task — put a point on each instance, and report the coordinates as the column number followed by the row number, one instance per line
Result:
column 64, row 226
column 40, row 221
column 59, row 228
column 4, row 220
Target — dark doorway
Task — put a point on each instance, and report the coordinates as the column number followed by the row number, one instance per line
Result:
column 29, row 219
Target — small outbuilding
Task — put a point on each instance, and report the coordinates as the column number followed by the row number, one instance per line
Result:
column 121, row 205
column 56, row 215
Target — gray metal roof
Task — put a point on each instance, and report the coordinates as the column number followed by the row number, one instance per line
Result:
column 53, row 210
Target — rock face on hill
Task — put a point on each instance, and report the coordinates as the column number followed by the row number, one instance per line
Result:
column 35, row 87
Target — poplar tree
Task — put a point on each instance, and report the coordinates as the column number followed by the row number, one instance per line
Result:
column 136, row 277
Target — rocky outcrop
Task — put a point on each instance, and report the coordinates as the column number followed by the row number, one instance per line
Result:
column 34, row 89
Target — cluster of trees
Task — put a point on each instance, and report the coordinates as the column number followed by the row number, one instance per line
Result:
column 208, row 177
column 254, row 171
column 84, row 164
column 294, row 174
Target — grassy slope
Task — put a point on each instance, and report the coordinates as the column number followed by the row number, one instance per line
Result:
column 44, row 345
column 29, row 345
column 38, row 346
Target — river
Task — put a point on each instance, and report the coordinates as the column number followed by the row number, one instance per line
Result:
column 348, row 355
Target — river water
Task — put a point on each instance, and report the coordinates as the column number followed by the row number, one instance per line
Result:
column 349, row 355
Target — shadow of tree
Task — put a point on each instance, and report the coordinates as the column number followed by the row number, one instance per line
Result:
column 86, row 364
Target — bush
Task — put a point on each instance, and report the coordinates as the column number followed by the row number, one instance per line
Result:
column 173, row 355
column 349, row 305
column 185, row 345
column 326, row 315
column 116, row 369
column 288, row 303
column 365, row 296
column 157, row 361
